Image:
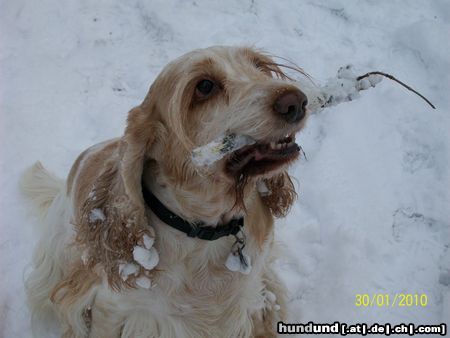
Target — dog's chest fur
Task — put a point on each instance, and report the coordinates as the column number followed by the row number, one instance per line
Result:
column 193, row 293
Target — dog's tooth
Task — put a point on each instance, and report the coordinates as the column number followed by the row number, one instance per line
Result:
column 278, row 146
column 272, row 145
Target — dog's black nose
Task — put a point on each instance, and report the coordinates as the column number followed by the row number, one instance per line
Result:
column 291, row 105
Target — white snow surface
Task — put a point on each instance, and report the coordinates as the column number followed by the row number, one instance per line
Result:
column 373, row 209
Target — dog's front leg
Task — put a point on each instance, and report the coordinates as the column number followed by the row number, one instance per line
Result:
column 265, row 322
column 105, row 322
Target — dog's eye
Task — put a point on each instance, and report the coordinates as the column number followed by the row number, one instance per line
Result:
column 204, row 88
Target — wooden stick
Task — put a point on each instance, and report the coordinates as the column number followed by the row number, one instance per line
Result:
column 398, row 81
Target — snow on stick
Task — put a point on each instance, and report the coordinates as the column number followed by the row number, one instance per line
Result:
column 347, row 85
column 344, row 87
column 218, row 148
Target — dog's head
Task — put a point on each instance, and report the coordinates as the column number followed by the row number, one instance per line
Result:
column 195, row 99
column 218, row 91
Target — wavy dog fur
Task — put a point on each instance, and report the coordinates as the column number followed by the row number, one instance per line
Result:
column 87, row 279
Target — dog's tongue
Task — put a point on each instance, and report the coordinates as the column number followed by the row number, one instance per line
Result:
column 257, row 155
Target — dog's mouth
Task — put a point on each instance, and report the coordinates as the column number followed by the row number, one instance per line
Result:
column 262, row 157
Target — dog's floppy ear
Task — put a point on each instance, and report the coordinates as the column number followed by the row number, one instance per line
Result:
column 280, row 195
column 112, row 225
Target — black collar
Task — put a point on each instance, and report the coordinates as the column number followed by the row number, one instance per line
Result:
column 197, row 229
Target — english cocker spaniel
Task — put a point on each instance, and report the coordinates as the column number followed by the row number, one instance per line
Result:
column 140, row 240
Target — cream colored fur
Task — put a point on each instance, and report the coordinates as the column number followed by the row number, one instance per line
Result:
column 76, row 289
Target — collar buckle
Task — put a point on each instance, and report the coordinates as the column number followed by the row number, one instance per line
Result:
column 194, row 232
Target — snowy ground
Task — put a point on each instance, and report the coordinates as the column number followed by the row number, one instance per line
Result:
column 373, row 214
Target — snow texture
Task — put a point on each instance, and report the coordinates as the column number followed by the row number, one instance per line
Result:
column 127, row 269
column 270, row 296
column 96, row 215
column 148, row 241
column 271, row 300
column 262, row 188
column 91, row 195
column 373, row 212
column 143, row 282
column 146, row 258
column 85, row 256
column 218, row 148
column 342, row 88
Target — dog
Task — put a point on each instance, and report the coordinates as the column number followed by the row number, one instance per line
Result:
column 112, row 262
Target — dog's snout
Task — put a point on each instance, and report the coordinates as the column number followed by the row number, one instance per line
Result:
column 291, row 106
